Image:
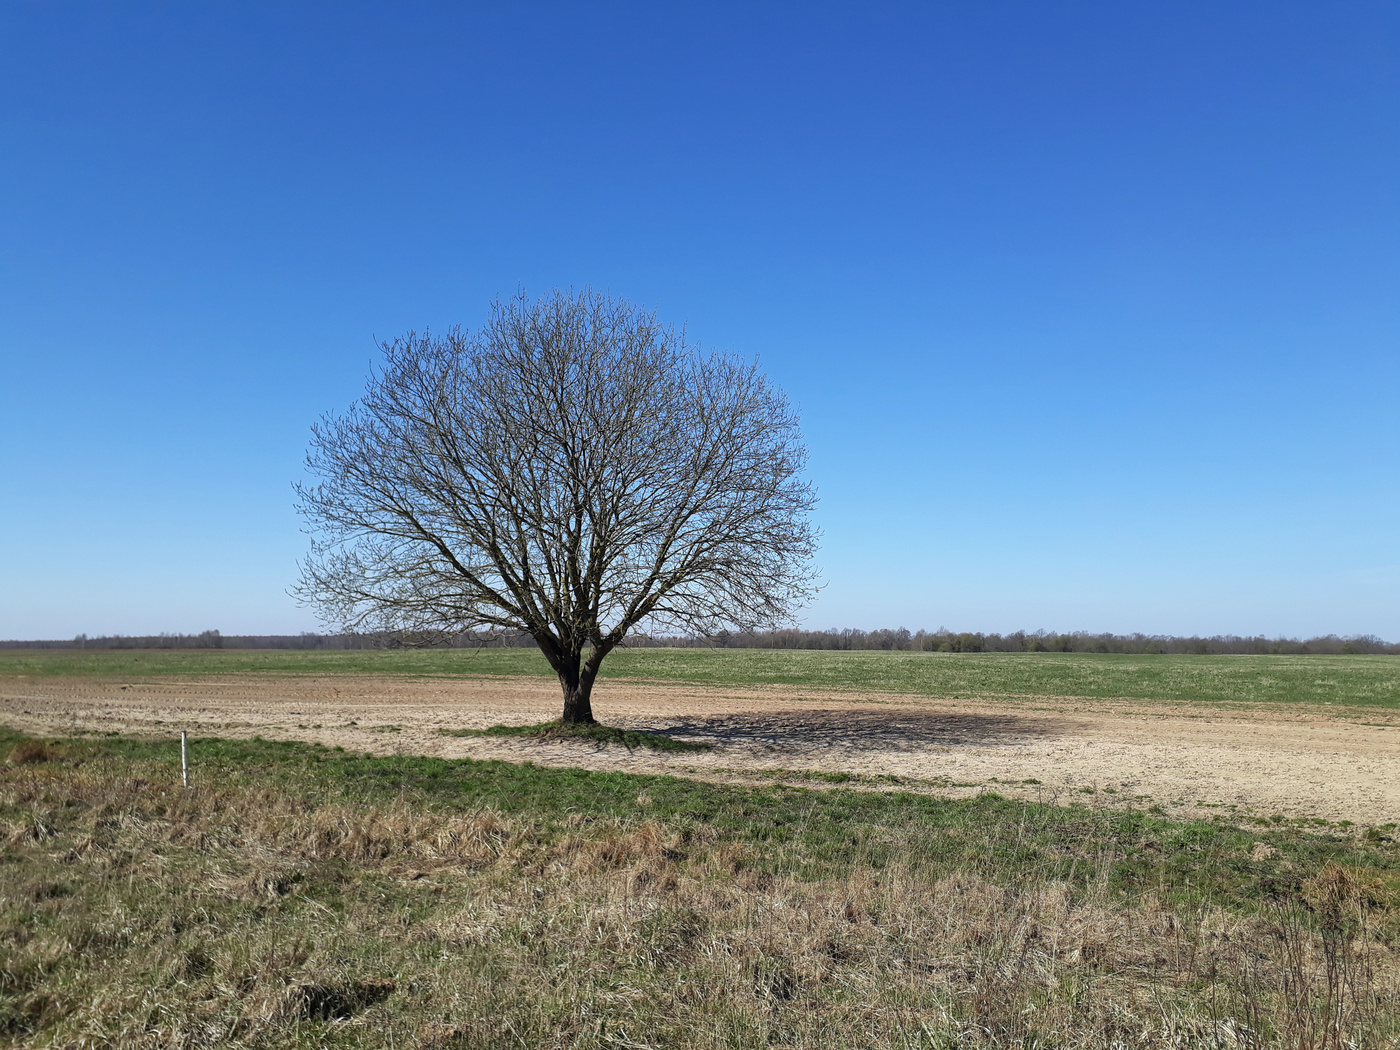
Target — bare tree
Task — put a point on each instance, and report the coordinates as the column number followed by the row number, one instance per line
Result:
column 572, row 470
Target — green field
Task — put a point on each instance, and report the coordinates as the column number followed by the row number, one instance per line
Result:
column 1368, row 681
column 298, row 896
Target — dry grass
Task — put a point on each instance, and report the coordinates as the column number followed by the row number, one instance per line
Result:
column 135, row 914
column 29, row 751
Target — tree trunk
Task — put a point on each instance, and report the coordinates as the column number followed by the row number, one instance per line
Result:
column 576, row 677
column 577, row 683
column 578, row 707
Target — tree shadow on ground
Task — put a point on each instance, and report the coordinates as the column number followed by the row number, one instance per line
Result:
column 847, row 730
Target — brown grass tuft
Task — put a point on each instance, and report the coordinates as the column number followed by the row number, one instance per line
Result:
column 439, row 1036
column 329, row 1002
column 31, row 752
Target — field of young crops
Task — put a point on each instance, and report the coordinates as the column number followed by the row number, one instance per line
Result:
column 1340, row 680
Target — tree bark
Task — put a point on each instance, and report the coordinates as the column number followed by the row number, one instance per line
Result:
column 578, row 705
column 576, row 679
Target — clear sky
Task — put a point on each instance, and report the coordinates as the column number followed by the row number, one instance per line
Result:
column 1092, row 310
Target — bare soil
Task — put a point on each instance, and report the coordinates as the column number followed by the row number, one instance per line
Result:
column 1334, row 764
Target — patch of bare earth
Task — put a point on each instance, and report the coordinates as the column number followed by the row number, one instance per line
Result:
column 1301, row 762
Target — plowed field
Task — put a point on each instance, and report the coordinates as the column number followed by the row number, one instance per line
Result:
column 1298, row 760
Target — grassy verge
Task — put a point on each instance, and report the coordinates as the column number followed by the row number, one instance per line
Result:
column 1364, row 681
column 599, row 734
column 300, row 896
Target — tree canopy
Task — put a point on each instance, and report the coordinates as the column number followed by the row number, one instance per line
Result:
column 572, row 469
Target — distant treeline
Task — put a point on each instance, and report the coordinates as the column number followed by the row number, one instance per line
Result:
column 939, row 641
column 946, row 641
column 205, row 640
column 217, row 640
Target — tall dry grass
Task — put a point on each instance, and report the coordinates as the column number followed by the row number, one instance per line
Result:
column 136, row 914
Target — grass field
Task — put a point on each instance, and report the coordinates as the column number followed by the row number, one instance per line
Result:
column 304, row 896
column 300, row 896
column 1342, row 680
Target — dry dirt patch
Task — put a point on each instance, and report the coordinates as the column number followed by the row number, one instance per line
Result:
column 1306, row 762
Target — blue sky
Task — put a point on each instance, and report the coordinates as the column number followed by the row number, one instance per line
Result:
column 1092, row 310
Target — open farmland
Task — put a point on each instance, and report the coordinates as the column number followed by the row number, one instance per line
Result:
column 1314, row 737
column 879, row 850
column 1371, row 681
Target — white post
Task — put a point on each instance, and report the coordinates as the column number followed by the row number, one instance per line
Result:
column 184, row 761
